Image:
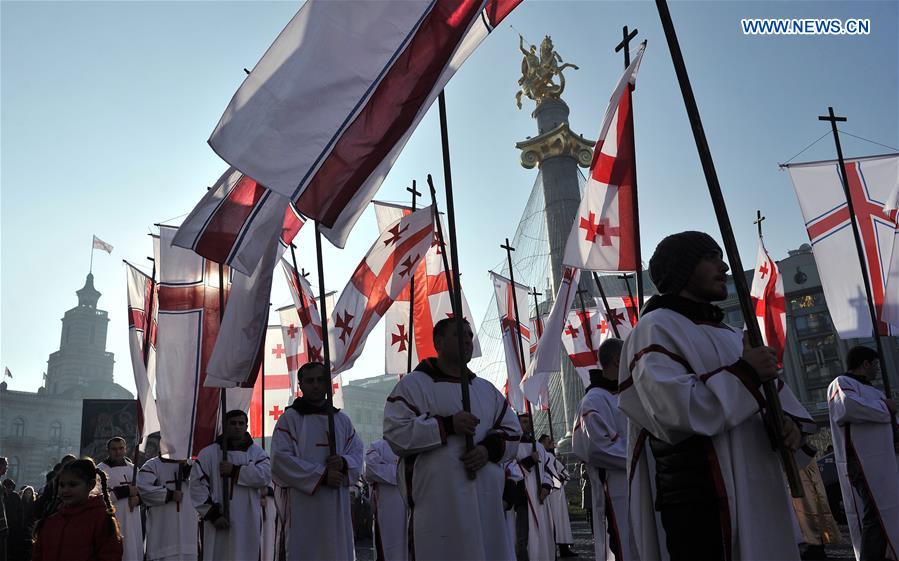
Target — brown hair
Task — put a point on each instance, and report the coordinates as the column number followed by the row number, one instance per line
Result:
column 86, row 470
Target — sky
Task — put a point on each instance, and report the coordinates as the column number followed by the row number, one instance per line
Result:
column 105, row 108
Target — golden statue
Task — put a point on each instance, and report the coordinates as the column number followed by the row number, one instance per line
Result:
column 538, row 72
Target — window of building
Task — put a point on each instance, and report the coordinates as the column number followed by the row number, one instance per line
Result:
column 18, row 427
column 12, row 469
column 55, row 431
column 813, row 323
column 806, row 302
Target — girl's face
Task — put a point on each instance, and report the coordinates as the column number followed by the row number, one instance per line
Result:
column 72, row 490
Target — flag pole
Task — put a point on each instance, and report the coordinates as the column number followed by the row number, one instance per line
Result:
column 774, row 411
column 262, row 373
column 538, row 327
column 625, row 44
column 605, row 304
column 409, row 345
column 635, row 308
column 296, row 280
column 90, row 269
column 442, row 243
column 326, row 349
column 517, row 334
column 223, row 405
column 875, row 328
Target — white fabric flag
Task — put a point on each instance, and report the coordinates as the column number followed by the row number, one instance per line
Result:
column 294, row 345
column 377, row 281
column 767, row 294
column 270, row 402
column 101, row 245
column 516, row 336
column 580, row 347
column 546, row 360
column 823, row 203
column 891, row 298
column 142, row 333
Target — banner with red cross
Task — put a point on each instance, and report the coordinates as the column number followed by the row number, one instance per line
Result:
column 602, row 237
column 583, row 350
column 306, row 307
column 273, row 393
column 516, row 335
column 376, row 283
column 296, row 353
column 823, row 202
column 140, row 315
column 768, row 301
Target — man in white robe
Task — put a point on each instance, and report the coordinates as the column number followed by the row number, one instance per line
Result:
column 454, row 496
column 558, row 500
column 126, row 498
column 860, row 419
column 172, row 522
column 705, row 482
column 239, row 534
column 388, row 509
column 533, row 460
column 318, row 522
column 599, row 439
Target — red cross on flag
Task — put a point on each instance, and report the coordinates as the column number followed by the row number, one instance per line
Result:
column 602, row 237
column 582, row 349
column 823, row 203
column 306, row 305
column 234, row 221
column 768, row 300
column 377, row 281
column 432, row 301
column 516, row 336
column 294, row 344
column 535, row 383
column 267, row 406
column 139, row 301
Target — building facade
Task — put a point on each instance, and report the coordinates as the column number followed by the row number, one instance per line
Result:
column 364, row 402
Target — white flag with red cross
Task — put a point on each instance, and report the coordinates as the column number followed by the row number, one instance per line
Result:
column 294, row 344
column 768, row 300
column 535, row 383
column 377, row 281
column 142, row 343
column 307, row 312
column 823, row 202
column 516, row 335
column 273, row 392
column 603, row 235
column 234, row 221
column 433, row 301
column 891, row 296
column 581, row 347
column 187, row 326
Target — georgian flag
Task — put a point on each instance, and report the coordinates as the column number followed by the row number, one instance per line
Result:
column 377, row 281
column 768, row 299
column 268, row 403
column 433, row 301
column 371, row 70
column 140, row 316
column 535, row 383
column 234, row 222
column 891, row 296
column 309, row 319
column 823, row 203
column 583, row 351
column 516, row 335
column 602, row 237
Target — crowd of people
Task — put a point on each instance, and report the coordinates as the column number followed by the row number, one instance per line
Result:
column 677, row 456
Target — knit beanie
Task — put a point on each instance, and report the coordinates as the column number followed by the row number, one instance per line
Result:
column 676, row 257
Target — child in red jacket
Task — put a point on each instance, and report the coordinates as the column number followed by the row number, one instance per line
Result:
column 84, row 528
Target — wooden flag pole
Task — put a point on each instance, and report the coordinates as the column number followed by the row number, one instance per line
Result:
column 605, row 304
column 262, row 373
column 441, row 243
column 326, row 349
column 409, row 345
column 625, row 45
column 455, row 293
column 774, row 411
column 538, row 327
column 859, row 247
column 223, row 406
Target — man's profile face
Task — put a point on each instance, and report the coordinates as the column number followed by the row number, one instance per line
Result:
column 526, row 424
column 116, row 450
column 708, row 283
column 871, row 368
column 448, row 345
column 314, row 384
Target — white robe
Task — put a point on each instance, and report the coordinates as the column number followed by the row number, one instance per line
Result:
column 243, row 539
column 599, row 439
column 677, row 380
column 129, row 520
column 390, row 513
column 558, row 501
column 269, row 527
column 541, row 540
column 859, row 418
column 512, row 473
column 318, row 521
column 451, row 516
column 171, row 535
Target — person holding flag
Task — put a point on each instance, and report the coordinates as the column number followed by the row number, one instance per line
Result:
column 171, row 520
column 389, row 511
column 119, row 476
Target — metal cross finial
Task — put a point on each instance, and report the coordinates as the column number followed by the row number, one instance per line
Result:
column 758, row 221
column 507, row 246
column 415, row 193
column 831, row 117
column 534, row 292
column 626, row 44
column 304, row 273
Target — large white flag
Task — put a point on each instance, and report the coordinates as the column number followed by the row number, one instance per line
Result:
column 535, row 383
column 891, row 298
column 823, row 203
column 371, row 70
column 274, row 392
column 142, row 343
column 768, row 299
column 581, row 338
column 378, row 279
column 603, row 235
column 516, row 335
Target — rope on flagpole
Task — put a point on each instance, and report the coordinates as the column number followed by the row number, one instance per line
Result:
column 783, row 165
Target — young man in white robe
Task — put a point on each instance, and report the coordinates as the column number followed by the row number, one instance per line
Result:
column 533, row 461
column 599, row 439
column 237, row 535
column 860, row 421
column 558, row 501
column 454, row 495
column 318, row 522
column 705, row 482
column 172, row 523
column 388, row 509
column 120, row 480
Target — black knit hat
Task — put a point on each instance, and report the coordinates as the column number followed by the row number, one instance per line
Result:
column 675, row 258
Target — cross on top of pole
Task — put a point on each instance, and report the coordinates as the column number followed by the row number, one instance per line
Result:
column 304, row 273
column 415, row 192
column 507, row 246
column 534, row 292
column 758, row 221
column 831, row 117
column 625, row 44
